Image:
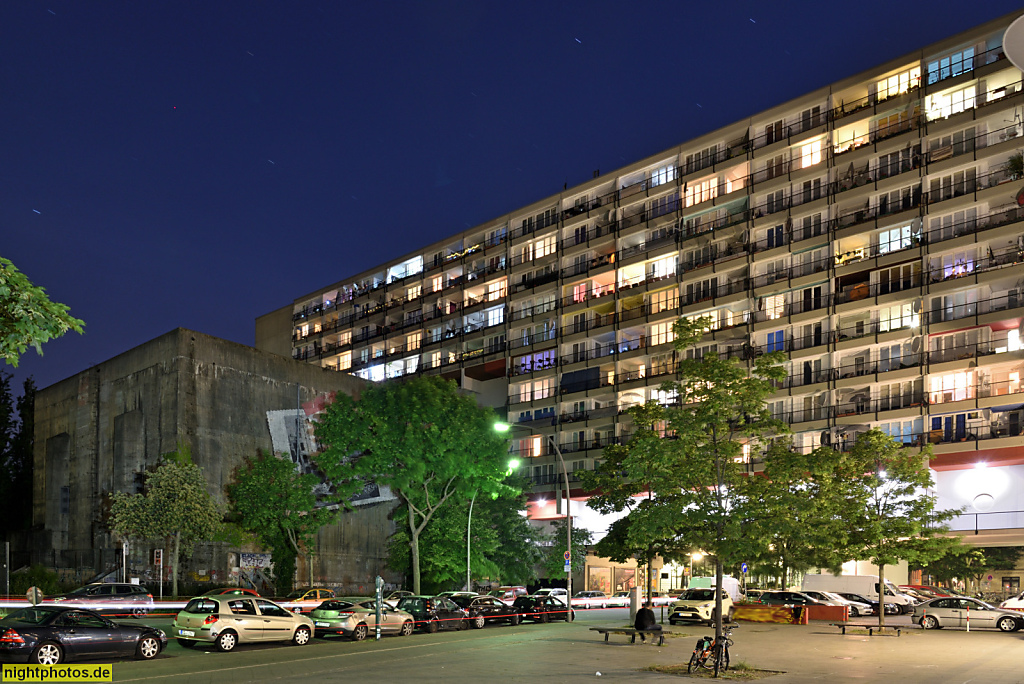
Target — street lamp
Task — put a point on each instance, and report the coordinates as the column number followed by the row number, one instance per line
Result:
column 695, row 556
column 512, row 465
column 505, row 427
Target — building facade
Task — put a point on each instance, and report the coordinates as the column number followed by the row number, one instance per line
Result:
column 871, row 230
column 101, row 431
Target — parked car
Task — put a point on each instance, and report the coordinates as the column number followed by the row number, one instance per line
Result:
column 394, row 597
column 508, row 593
column 929, row 589
column 306, row 599
column 698, row 605
column 558, row 592
column 227, row 621
column 856, row 608
column 619, row 599
column 482, row 609
column 789, row 598
column 1014, row 603
column 753, row 595
column 890, row 608
column 955, row 611
column 589, row 599
column 542, row 608
column 434, row 612
column 865, row 585
column 661, row 598
column 107, row 597
column 450, row 594
column 356, row 616
column 48, row 635
column 232, row 591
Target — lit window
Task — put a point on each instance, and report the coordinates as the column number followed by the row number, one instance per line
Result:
column 775, row 306
column 413, row 292
column 436, row 283
column 811, row 154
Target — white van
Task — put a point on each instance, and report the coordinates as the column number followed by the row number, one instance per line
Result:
column 865, row 585
column 730, row 585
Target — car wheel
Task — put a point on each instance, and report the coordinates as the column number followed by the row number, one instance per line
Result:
column 929, row 622
column 853, row 611
column 586, row 606
column 463, row 624
column 514, row 620
column 227, row 642
column 186, row 643
column 478, row 623
column 302, row 636
column 544, row 617
column 148, row 648
column 672, row 622
column 139, row 612
column 48, row 654
column 1007, row 624
column 432, row 626
column 359, row 633
column 407, row 628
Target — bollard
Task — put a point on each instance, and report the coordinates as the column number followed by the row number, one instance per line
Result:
column 968, row 617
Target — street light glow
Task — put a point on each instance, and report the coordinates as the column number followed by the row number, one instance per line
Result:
column 502, row 427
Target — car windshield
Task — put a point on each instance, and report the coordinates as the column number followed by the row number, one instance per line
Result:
column 31, row 616
column 411, row 604
column 698, row 595
column 297, row 594
column 462, row 601
column 335, row 605
column 80, row 591
column 202, row 606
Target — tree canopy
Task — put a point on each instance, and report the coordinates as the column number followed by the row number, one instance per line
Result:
column 277, row 504
column 175, row 507
column 17, row 426
column 27, row 316
column 431, row 444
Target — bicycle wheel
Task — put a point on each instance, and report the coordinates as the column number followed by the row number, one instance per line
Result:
column 694, row 663
column 707, row 659
column 725, row 658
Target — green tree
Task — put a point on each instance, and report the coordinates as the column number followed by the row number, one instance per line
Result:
column 797, row 508
column 626, row 479
column 174, row 507
column 431, row 444
column 16, row 455
column 619, row 546
column 27, row 316
column 971, row 562
column 722, row 411
column 278, row 505
column 554, row 556
column 899, row 520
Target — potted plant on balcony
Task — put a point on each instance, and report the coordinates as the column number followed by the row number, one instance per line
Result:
column 1015, row 166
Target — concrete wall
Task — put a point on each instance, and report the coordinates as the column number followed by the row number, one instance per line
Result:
column 274, row 331
column 98, row 432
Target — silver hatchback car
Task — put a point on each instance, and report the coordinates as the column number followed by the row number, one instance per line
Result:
column 227, row 621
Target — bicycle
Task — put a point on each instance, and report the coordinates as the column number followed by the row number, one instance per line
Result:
column 711, row 655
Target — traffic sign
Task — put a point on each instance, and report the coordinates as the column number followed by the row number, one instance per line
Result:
column 566, row 555
column 34, row 596
column 568, row 566
column 744, row 568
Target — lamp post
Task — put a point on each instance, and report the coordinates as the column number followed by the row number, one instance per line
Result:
column 512, row 465
column 505, row 427
column 695, row 556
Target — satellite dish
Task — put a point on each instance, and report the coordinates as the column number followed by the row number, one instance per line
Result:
column 1013, row 43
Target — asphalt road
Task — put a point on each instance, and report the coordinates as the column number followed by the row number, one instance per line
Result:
column 560, row 652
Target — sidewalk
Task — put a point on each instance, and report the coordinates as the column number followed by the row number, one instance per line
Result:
column 816, row 652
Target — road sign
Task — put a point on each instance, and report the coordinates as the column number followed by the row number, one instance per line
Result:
column 34, row 596
column 568, row 566
column 567, row 555
column 744, row 568
column 158, row 556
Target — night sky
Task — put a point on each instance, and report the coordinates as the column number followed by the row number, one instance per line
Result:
column 199, row 164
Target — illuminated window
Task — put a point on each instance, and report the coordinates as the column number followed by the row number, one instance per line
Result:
column 413, row 341
column 305, row 330
column 345, row 361
column 946, row 104
column 895, row 239
column 663, row 175
column 701, row 191
column 436, row 283
column 661, row 333
column 1013, row 340
column 495, row 290
column 811, row 154
column 898, row 316
column 413, row 292
column 662, row 268
column 899, row 83
column 775, row 306
column 951, row 65
column 952, row 387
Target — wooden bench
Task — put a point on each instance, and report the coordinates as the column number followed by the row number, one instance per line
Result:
column 631, row 632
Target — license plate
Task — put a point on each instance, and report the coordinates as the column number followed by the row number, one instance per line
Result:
column 321, row 624
column 186, row 632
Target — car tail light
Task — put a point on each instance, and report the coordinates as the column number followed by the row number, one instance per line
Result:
column 210, row 619
column 11, row 637
column 149, row 596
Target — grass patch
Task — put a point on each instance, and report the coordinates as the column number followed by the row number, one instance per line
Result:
column 737, row 672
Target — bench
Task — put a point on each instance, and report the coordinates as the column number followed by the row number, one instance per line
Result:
column 631, row 632
column 871, row 628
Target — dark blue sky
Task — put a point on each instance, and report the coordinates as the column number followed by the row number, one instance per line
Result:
column 198, row 164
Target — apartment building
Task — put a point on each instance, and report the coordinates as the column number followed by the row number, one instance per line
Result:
column 872, row 230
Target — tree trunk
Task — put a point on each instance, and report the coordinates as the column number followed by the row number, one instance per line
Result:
column 718, row 600
column 881, row 595
column 650, row 575
column 414, row 546
column 174, row 565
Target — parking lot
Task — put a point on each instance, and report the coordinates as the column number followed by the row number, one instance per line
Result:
column 570, row 652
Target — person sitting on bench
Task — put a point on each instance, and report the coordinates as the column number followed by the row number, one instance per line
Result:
column 645, row 621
